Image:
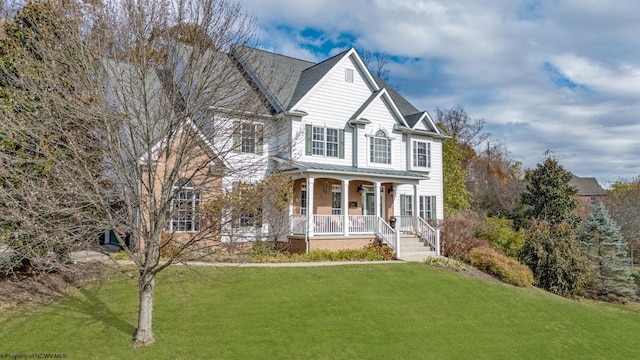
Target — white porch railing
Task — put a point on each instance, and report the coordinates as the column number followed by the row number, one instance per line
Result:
column 429, row 234
column 362, row 224
column 405, row 223
column 328, row 224
column 368, row 224
column 388, row 235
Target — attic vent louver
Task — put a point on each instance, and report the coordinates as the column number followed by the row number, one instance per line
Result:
column 348, row 75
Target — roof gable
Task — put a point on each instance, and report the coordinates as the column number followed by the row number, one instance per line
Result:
column 380, row 95
column 587, row 186
column 311, row 78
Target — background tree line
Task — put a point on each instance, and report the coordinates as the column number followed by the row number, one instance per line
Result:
column 532, row 215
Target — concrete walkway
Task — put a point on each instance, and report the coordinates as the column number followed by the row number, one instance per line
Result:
column 95, row 256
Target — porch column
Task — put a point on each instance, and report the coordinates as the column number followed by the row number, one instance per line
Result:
column 345, row 207
column 310, row 217
column 415, row 208
column 376, row 202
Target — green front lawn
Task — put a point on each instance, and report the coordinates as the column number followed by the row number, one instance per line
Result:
column 388, row 311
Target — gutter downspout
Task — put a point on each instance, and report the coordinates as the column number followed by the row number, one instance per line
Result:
column 306, row 230
column 354, row 147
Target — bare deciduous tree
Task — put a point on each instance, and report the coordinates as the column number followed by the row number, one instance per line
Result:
column 377, row 62
column 460, row 125
column 151, row 93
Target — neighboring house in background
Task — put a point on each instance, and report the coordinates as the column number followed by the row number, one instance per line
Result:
column 357, row 152
column 590, row 193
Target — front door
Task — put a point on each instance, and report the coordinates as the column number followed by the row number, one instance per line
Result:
column 368, row 207
column 369, row 204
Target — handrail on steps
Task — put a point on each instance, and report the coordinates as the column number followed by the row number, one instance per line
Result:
column 429, row 234
column 388, row 235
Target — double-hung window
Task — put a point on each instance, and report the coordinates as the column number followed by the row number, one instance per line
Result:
column 406, row 205
column 427, row 207
column 184, row 208
column 380, row 148
column 421, row 154
column 324, row 141
column 247, row 137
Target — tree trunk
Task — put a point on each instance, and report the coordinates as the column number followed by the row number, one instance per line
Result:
column 144, row 333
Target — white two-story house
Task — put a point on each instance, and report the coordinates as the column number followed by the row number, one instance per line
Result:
column 360, row 155
column 365, row 165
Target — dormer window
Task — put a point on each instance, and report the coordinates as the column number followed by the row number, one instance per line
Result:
column 348, row 75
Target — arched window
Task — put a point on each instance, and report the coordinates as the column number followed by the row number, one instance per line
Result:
column 184, row 208
column 380, row 148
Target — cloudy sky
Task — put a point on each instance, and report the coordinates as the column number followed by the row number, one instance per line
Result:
column 562, row 75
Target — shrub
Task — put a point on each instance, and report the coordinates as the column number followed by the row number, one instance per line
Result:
column 457, row 237
column 499, row 232
column 381, row 252
column 506, row 269
column 262, row 248
column 448, row 263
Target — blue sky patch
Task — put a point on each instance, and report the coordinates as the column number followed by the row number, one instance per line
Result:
column 559, row 79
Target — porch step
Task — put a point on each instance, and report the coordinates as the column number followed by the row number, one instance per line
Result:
column 413, row 249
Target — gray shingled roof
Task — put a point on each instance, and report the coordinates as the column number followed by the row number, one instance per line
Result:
column 281, row 73
column 403, row 104
column 413, row 119
column 289, row 79
column 309, row 77
column 587, row 186
column 307, row 166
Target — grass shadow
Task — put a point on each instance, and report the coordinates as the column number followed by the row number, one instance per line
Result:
column 87, row 307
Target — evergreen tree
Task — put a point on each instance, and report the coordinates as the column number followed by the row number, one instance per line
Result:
column 553, row 254
column 549, row 195
column 606, row 249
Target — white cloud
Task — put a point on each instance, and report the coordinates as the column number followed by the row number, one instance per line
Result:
column 490, row 58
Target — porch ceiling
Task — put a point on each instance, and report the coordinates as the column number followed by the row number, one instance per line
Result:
column 351, row 172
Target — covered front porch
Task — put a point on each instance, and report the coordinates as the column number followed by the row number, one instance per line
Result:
column 337, row 204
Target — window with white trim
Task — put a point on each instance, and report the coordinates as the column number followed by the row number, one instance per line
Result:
column 247, row 137
column 380, row 148
column 324, row 141
column 406, row 205
column 303, row 199
column 184, row 208
column 421, row 154
column 427, row 207
column 336, row 200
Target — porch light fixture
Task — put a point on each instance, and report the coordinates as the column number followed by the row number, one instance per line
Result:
column 391, row 190
column 360, row 189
